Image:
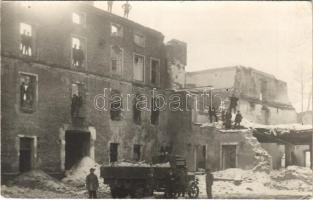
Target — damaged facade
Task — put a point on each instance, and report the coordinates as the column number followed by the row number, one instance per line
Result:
column 261, row 97
column 56, row 71
column 53, row 67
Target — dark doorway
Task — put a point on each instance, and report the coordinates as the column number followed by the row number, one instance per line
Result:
column 77, row 145
column 113, row 152
column 26, row 154
column 137, row 152
column 201, row 157
column 229, row 159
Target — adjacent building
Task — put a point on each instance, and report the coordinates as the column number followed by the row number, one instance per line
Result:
column 262, row 98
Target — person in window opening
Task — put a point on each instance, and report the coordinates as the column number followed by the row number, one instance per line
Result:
column 28, row 44
column 92, row 184
column 127, row 7
column 75, row 53
column 76, row 104
column 110, row 5
column 212, row 113
column 223, row 116
column 228, row 119
column 26, row 93
column 23, row 42
column 238, row 119
column 233, row 103
column 80, row 56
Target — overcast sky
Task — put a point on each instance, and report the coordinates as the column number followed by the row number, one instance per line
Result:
column 274, row 37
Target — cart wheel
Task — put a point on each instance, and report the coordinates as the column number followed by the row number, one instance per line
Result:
column 193, row 191
column 113, row 193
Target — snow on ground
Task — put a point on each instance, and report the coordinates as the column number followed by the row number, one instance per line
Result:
column 76, row 176
column 236, row 182
column 38, row 184
column 40, row 180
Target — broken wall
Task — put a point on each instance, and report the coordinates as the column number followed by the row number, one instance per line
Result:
column 176, row 53
column 249, row 153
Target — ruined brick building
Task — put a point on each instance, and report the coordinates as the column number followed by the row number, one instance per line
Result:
column 56, row 61
column 59, row 72
column 261, row 97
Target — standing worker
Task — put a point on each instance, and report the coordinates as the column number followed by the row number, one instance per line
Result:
column 110, row 5
column 92, row 184
column 238, row 119
column 209, row 182
column 228, row 119
column 233, row 103
column 127, row 7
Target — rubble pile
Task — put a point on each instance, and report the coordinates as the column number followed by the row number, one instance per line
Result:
column 293, row 180
column 293, row 177
column 25, row 193
column 76, row 176
column 39, row 180
column 263, row 158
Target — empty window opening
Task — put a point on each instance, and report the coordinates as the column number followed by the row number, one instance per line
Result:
column 26, row 39
column 139, row 39
column 155, row 111
column 229, row 157
column 155, row 65
column 139, row 67
column 116, row 30
column 78, row 52
column 116, row 106
column 137, row 152
column 28, row 85
column 26, row 154
column 78, row 18
column 113, row 152
column 77, row 146
column 116, row 60
column 201, row 157
column 307, row 157
column 137, row 109
column 77, row 99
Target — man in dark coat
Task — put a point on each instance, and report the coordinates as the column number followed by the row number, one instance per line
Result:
column 26, row 92
column 228, row 119
column 75, row 53
column 28, row 44
column 127, row 7
column 92, row 184
column 238, row 119
column 23, row 42
column 75, row 106
column 171, row 179
column 233, row 103
column 80, row 56
column 209, row 182
column 110, row 5
column 212, row 113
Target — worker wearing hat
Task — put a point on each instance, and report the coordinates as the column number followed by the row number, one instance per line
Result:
column 92, row 184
